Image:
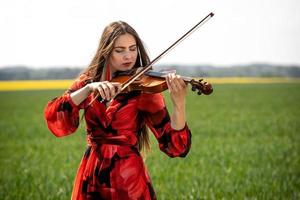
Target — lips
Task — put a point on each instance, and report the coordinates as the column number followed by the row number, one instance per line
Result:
column 127, row 64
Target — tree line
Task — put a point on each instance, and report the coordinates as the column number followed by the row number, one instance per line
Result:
column 251, row 70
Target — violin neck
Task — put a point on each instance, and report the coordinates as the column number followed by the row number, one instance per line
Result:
column 163, row 75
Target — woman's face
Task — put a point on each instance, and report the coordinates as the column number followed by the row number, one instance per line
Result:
column 124, row 53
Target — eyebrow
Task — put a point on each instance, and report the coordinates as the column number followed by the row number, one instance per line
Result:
column 121, row 47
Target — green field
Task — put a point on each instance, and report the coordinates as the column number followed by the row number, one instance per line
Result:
column 245, row 145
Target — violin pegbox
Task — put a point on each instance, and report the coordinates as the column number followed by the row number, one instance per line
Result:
column 202, row 87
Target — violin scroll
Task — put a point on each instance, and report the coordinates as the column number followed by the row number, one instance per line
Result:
column 202, row 87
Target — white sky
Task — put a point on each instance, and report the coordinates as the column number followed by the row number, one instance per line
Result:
column 40, row 33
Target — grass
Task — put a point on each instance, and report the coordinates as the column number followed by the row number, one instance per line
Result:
column 245, row 145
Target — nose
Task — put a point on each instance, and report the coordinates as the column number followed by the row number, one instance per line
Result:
column 127, row 56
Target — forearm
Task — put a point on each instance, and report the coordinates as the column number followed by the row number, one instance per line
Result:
column 80, row 95
column 178, row 119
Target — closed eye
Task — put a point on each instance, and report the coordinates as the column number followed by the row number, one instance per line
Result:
column 119, row 51
column 133, row 49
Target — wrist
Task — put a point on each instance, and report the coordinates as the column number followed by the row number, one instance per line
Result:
column 178, row 127
column 179, row 107
column 89, row 88
column 178, row 119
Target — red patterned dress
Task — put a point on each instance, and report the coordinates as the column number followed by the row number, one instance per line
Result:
column 112, row 167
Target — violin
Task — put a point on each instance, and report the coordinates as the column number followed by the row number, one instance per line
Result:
column 155, row 82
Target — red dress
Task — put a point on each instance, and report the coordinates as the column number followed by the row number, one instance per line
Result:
column 112, row 167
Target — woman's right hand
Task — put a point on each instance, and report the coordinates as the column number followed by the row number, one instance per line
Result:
column 107, row 90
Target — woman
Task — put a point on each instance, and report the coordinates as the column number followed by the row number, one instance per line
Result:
column 112, row 167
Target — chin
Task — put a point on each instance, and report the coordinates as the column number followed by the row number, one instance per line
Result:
column 126, row 68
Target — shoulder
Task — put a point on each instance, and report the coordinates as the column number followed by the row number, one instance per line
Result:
column 151, row 102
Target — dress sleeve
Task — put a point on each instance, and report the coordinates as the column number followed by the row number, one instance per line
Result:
column 175, row 143
column 62, row 114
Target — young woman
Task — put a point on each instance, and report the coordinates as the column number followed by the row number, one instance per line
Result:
column 112, row 166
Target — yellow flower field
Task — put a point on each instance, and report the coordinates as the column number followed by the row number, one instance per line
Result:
column 34, row 85
column 246, row 80
column 64, row 84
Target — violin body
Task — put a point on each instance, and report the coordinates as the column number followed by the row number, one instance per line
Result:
column 146, row 84
column 155, row 82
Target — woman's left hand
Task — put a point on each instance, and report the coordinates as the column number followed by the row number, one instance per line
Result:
column 177, row 89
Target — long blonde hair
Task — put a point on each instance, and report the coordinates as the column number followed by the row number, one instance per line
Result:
column 99, row 62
